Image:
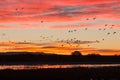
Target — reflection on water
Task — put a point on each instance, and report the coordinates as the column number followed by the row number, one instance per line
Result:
column 25, row 67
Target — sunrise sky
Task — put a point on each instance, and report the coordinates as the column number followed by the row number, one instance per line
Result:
column 60, row 26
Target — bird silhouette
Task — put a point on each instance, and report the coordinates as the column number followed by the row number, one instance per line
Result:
column 3, row 34
column 99, row 29
column 113, row 25
column 108, row 33
column 97, row 41
column 41, row 21
column 87, row 19
column 104, row 29
column 85, row 28
column 62, row 45
column 22, row 8
column 105, row 24
column 24, row 41
column 75, row 30
column 16, row 9
column 94, row 18
column 114, row 32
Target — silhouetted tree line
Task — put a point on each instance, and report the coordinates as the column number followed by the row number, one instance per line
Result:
column 75, row 57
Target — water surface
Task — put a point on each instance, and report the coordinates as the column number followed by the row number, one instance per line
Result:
column 26, row 67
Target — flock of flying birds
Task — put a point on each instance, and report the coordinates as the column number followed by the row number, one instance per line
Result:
column 73, row 41
column 76, row 41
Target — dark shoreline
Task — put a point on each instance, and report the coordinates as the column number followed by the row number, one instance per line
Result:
column 28, row 59
column 104, row 73
column 54, row 63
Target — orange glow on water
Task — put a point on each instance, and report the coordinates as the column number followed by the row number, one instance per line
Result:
column 29, row 67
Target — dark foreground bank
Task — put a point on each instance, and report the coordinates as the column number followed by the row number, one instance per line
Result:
column 104, row 73
column 38, row 58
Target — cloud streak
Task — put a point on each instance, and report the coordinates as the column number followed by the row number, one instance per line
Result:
column 34, row 47
column 61, row 10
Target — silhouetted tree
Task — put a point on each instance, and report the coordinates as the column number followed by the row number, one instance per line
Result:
column 76, row 53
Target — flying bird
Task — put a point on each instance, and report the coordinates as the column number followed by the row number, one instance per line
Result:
column 41, row 21
column 24, row 41
column 97, row 41
column 3, row 34
column 99, row 29
column 108, row 33
column 88, row 45
column 75, row 30
column 22, row 8
column 94, row 18
column 87, row 19
column 105, row 24
column 85, row 28
column 114, row 32
column 62, row 45
column 74, row 38
column 113, row 25
column 104, row 29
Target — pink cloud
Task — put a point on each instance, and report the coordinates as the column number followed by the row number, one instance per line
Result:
column 58, row 10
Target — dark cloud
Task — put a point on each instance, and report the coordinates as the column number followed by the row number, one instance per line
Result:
column 108, row 50
column 102, row 50
column 23, row 43
column 65, row 10
column 105, row 5
column 86, row 42
column 20, row 48
column 49, row 47
column 71, row 11
column 80, row 42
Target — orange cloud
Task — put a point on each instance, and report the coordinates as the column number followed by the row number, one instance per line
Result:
column 65, row 50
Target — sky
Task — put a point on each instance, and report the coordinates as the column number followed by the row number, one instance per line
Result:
column 60, row 26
